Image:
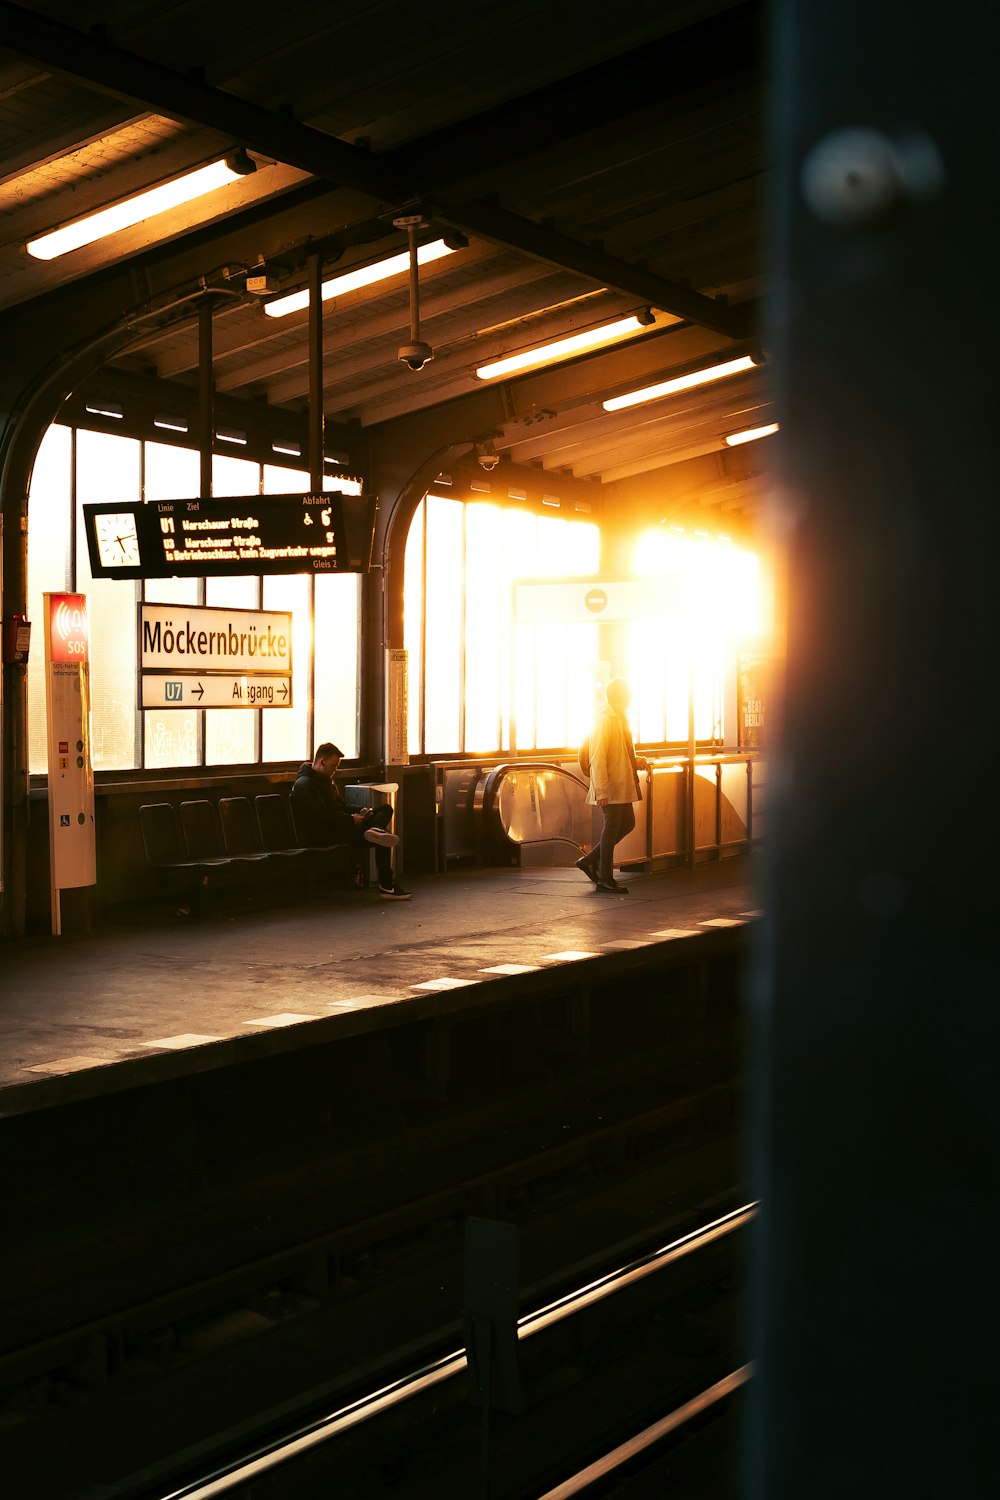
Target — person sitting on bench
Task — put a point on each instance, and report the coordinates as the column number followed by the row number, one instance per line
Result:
column 323, row 816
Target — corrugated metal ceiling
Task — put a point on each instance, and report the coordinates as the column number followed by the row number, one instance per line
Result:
column 584, row 165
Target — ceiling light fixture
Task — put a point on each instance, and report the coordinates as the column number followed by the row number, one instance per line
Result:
column 575, row 343
column 131, row 211
column 680, row 383
column 750, row 434
column 351, row 281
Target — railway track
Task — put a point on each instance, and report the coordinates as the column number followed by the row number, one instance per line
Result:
column 618, row 1376
column 174, row 1321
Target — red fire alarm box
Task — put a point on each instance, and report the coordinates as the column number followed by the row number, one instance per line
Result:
column 16, row 639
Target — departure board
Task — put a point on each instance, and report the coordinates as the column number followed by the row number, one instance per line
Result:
column 326, row 533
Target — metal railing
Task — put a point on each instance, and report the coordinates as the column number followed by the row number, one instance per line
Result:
column 693, row 808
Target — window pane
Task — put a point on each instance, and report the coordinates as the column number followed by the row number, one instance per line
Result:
column 241, row 592
column 107, row 468
column 338, row 597
column 658, row 672
column 172, row 474
column 554, row 666
column 234, row 476
column 567, row 548
column 413, row 611
column 444, row 623
column 566, row 656
column 281, row 481
column 520, row 535
column 286, row 730
column 723, row 586
column 230, row 736
column 171, row 738
column 583, row 674
column 485, row 651
column 231, row 733
column 171, row 590
column 48, row 568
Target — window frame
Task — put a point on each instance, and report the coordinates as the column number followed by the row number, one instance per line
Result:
column 199, row 767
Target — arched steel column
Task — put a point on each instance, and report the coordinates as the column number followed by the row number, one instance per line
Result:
column 36, row 353
column 382, row 624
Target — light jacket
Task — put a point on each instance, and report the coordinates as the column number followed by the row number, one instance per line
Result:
column 612, row 767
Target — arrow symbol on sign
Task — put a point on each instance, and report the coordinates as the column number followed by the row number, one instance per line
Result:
column 199, row 691
column 284, row 690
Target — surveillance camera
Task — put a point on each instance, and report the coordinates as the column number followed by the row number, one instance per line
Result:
column 415, row 356
column 487, row 456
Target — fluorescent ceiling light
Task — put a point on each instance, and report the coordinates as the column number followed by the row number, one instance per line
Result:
column 143, row 206
column 575, row 343
column 679, row 383
column 750, row 434
column 350, row 281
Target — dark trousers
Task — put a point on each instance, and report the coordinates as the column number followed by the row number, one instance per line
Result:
column 619, row 820
column 379, row 817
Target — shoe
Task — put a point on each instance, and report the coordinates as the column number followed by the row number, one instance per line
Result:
column 394, row 893
column 612, row 888
column 380, row 837
column 587, row 868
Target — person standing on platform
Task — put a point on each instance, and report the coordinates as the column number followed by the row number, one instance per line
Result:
column 614, row 785
column 323, row 816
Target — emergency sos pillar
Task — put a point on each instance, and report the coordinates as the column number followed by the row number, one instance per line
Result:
column 72, row 845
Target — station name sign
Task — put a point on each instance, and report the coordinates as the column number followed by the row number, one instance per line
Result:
column 195, row 657
column 177, row 637
column 315, row 533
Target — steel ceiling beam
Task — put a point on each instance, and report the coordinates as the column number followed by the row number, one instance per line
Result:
column 112, row 70
column 490, row 221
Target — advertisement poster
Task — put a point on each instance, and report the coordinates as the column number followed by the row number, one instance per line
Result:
column 754, row 682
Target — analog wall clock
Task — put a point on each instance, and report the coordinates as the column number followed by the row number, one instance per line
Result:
column 117, row 539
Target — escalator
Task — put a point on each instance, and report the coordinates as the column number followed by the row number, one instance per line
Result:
column 537, row 811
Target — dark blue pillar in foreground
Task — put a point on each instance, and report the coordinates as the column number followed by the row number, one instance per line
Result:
column 877, row 1131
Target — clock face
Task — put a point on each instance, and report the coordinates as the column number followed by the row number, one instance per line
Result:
column 117, row 540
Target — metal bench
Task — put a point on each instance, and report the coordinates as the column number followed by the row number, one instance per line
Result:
column 278, row 836
column 194, row 846
column 179, row 869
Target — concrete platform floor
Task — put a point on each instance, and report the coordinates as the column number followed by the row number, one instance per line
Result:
column 93, row 1001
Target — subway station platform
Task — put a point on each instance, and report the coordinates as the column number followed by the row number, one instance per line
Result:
column 154, row 998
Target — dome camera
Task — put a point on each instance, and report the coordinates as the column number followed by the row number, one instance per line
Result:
column 487, row 455
column 415, row 356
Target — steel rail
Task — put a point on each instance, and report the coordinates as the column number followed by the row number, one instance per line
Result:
column 609, row 1462
column 244, row 1470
